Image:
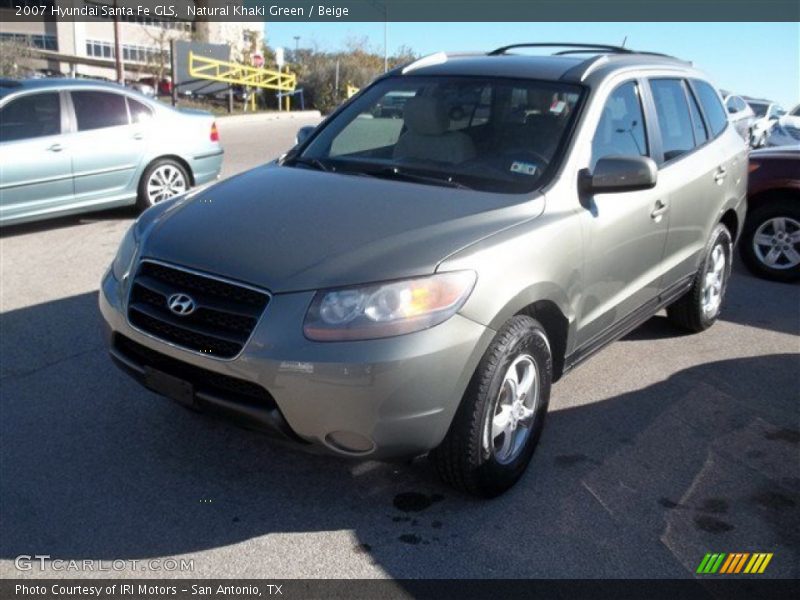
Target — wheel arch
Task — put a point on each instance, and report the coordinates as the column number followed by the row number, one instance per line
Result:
column 556, row 325
column 178, row 159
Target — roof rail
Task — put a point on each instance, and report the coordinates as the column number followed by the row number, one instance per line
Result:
column 584, row 47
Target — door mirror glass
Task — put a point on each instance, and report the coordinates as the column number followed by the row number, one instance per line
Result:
column 303, row 134
column 620, row 174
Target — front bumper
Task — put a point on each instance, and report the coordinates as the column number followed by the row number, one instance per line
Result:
column 382, row 398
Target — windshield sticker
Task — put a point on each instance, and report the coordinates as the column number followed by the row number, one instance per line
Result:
column 523, row 167
column 557, row 107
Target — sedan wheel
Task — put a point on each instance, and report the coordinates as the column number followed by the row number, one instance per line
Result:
column 164, row 182
column 163, row 179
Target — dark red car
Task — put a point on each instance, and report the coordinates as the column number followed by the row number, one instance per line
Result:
column 770, row 243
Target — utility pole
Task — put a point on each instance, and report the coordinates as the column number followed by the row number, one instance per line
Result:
column 296, row 45
column 118, row 48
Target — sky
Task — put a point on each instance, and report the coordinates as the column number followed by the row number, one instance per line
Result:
column 754, row 59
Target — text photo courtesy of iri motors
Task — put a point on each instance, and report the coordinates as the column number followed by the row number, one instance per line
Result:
column 375, row 299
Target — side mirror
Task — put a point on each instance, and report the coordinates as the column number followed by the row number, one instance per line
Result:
column 619, row 174
column 303, row 134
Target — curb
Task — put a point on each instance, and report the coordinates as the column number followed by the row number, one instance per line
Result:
column 270, row 116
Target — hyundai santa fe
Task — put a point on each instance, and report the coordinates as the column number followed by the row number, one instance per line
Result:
column 414, row 284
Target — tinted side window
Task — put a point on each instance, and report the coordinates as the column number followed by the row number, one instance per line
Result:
column 139, row 112
column 673, row 117
column 31, row 116
column 95, row 110
column 700, row 133
column 712, row 107
column 621, row 129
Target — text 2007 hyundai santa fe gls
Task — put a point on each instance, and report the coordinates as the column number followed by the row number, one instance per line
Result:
column 396, row 286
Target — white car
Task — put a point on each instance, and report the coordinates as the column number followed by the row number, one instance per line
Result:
column 766, row 113
column 740, row 115
column 786, row 131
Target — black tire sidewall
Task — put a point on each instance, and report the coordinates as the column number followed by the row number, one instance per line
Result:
column 494, row 477
column 778, row 208
column 142, row 199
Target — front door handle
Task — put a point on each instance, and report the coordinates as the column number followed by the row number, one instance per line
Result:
column 658, row 211
column 138, row 136
column 55, row 148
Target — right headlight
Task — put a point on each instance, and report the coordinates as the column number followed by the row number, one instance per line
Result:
column 387, row 309
column 125, row 254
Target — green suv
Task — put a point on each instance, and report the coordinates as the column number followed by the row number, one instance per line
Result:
column 414, row 283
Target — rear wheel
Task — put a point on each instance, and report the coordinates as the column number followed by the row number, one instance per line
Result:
column 498, row 424
column 698, row 309
column 162, row 179
column 770, row 245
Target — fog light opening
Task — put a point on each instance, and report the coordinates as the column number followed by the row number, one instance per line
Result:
column 350, row 442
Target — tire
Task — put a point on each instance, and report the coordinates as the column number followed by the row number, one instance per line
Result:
column 162, row 179
column 469, row 458
column 699, row 308
column 768, row 222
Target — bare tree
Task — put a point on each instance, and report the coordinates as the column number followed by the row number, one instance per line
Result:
column 13, row 57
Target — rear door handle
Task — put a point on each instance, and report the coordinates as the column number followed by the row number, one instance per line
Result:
column 719, row 176
column 658, row 211
column 138, row 136
column 56, row 148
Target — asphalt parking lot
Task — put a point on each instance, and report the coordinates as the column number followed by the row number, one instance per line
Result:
column 658, row 450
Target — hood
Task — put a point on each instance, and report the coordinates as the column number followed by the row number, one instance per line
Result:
column 291, row 229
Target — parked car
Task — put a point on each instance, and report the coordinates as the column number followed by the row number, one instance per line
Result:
column 388, row 290
column 741, row 115
column 766, row 114
column 770, row 245
column 786, row 131
column 143, row 88
column 161, row 87
column 69, row 146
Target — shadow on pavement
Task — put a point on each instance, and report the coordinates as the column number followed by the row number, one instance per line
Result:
column 640, row 484
column 112, row 214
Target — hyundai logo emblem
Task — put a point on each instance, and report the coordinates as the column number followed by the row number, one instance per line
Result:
column 181, row 304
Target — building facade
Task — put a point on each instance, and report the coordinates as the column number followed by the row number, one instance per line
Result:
column 87, row 47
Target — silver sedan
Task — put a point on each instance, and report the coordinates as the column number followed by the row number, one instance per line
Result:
column 69, row 146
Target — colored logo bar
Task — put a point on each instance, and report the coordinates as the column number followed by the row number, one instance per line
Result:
column 734, row 563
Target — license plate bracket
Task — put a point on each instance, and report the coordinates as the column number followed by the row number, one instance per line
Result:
column 172, row 387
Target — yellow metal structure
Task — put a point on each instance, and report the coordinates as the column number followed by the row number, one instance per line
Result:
column 201, row 67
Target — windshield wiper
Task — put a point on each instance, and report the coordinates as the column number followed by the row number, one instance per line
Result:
column 396, row 173
column 311, row 162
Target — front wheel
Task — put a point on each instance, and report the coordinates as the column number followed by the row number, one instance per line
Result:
column 770, row 245
column 498, row 424
column 698, row 309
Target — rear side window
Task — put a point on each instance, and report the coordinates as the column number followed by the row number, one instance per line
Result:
column 700, row 133
column 674, row 121
column 139, row 112
column 621, row 130
column 96, row 110
column 30, row 116
column 712, row 107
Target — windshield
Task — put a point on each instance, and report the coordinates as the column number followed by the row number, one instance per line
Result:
column 795, row 111
column 491, row 134
column 759, row 109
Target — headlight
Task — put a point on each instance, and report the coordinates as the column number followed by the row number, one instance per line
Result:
column 387, row 309
column 125, row 254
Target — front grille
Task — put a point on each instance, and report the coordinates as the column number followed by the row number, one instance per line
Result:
column 202, row 380
column 224, row 317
